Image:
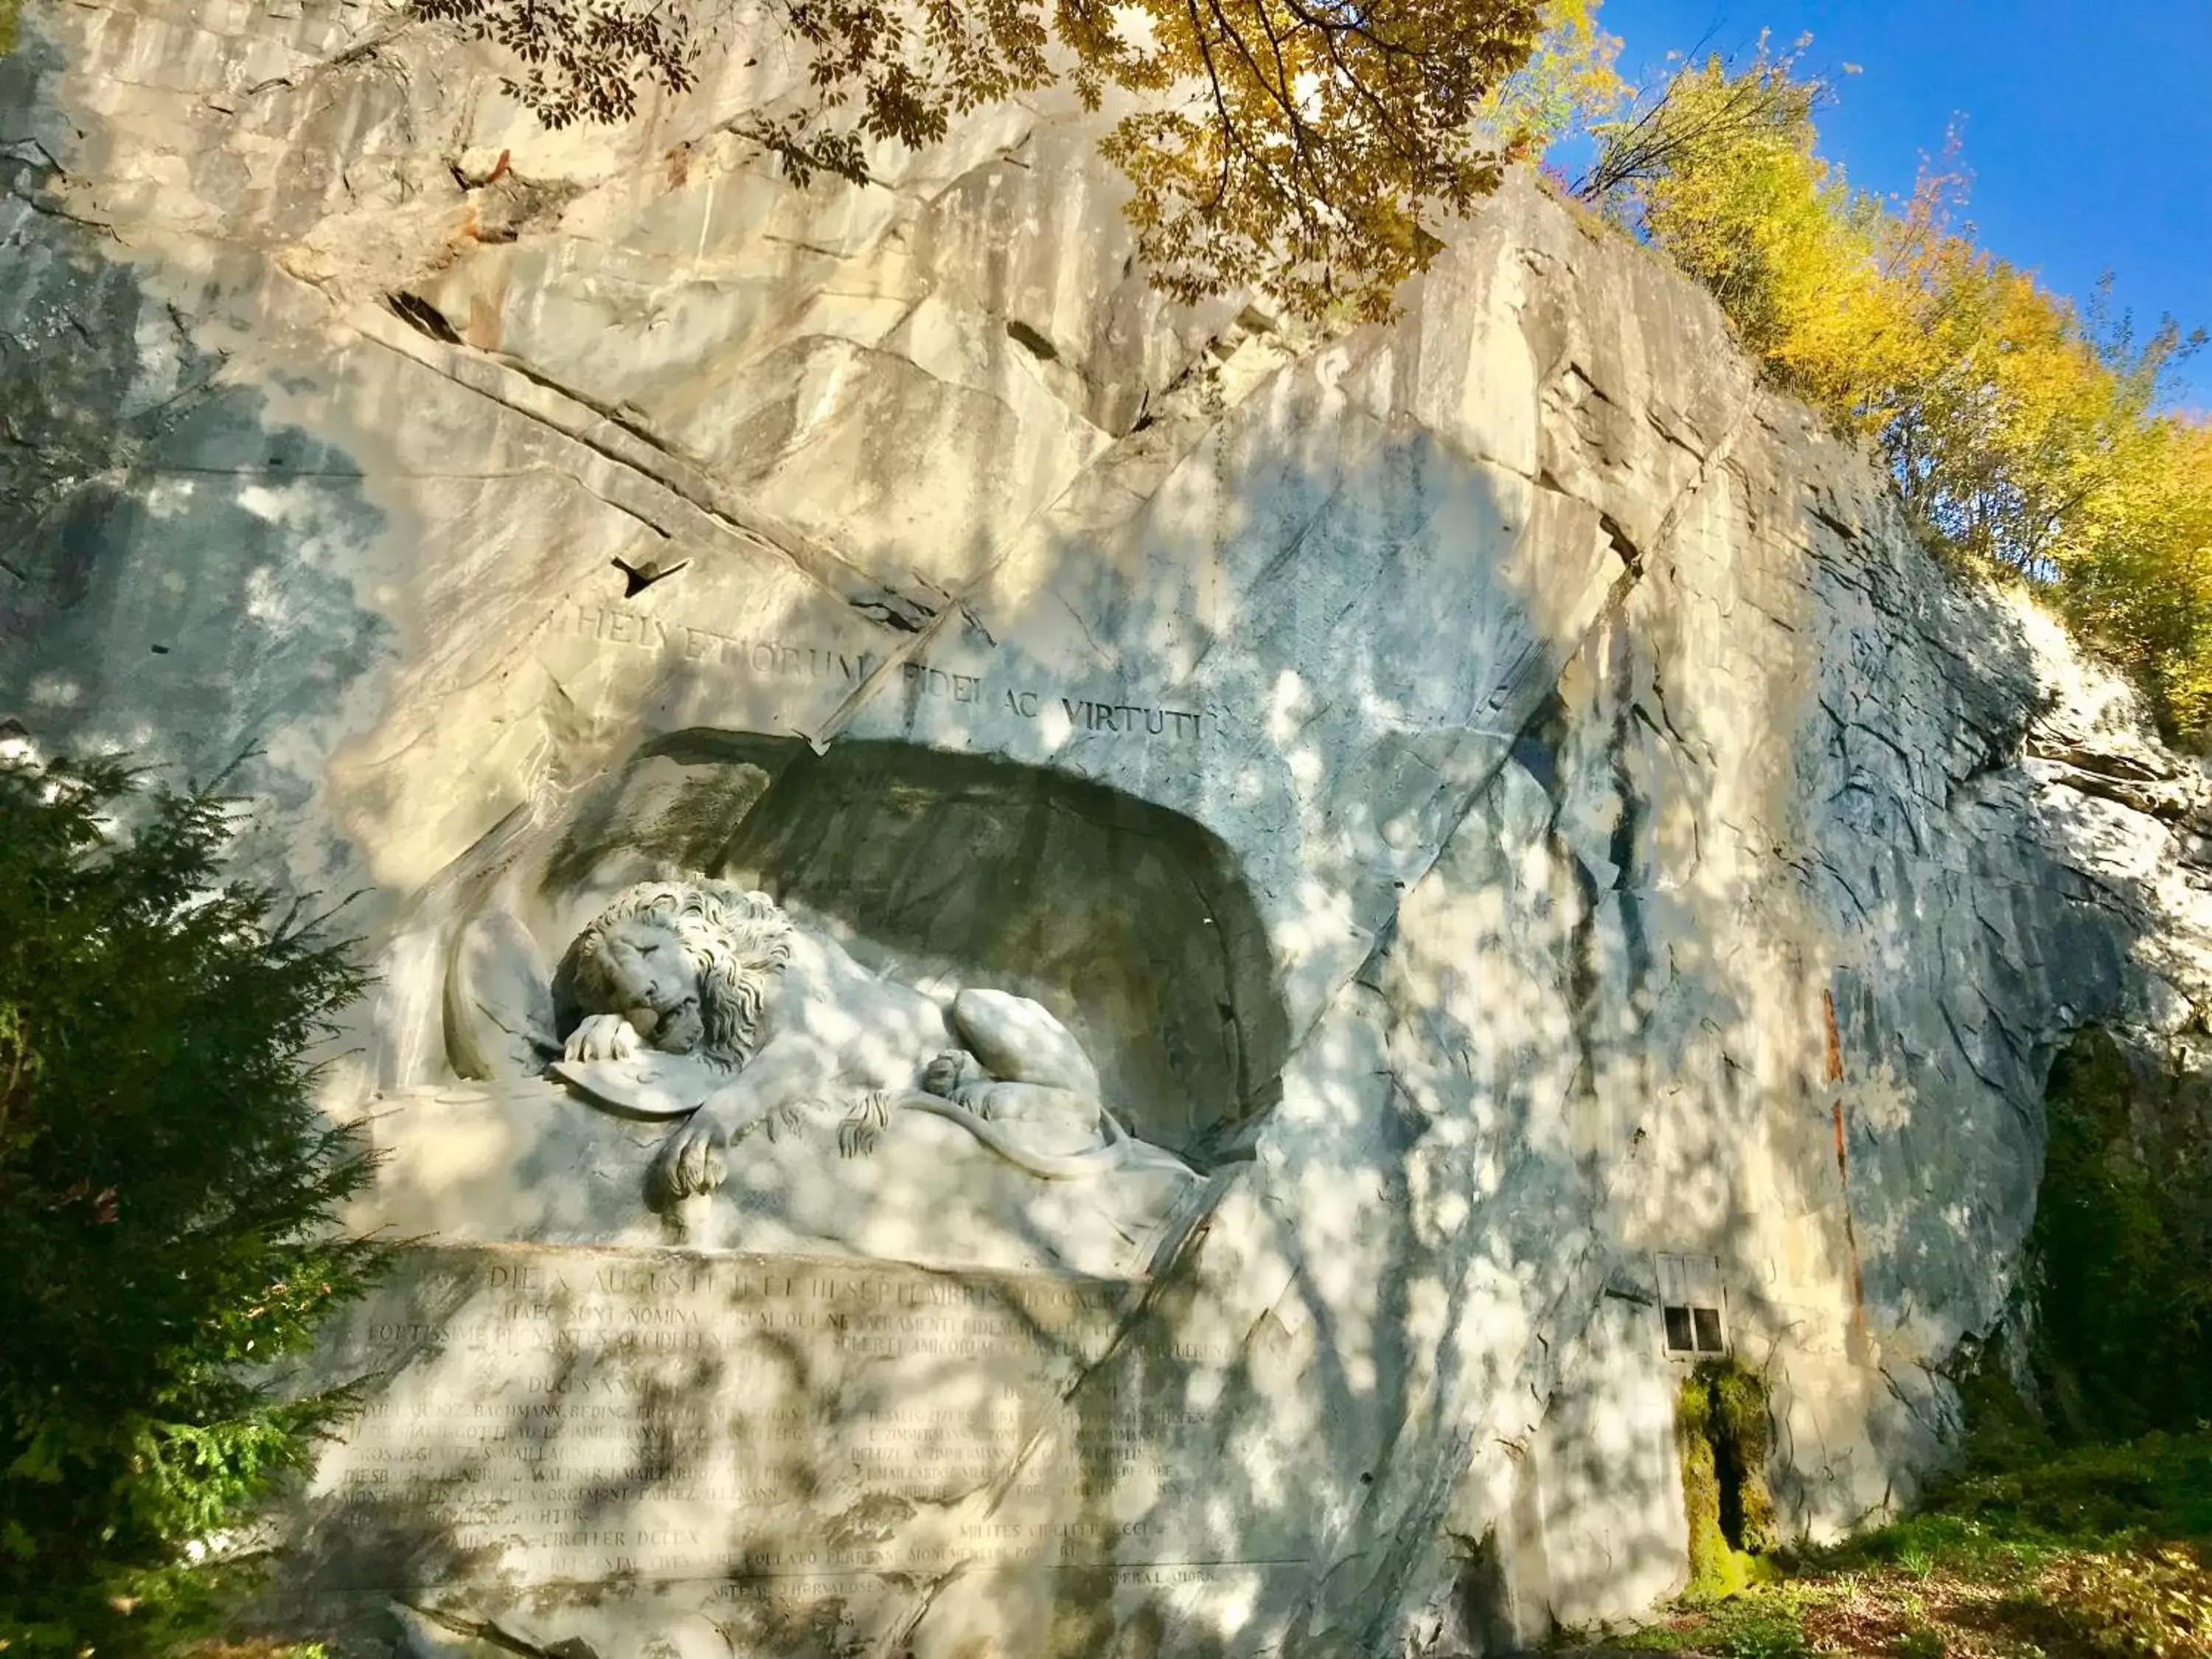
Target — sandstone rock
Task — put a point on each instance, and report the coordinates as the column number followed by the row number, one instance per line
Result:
column 1502, row 795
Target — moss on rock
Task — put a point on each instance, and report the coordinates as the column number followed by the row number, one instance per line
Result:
column 1723, row 1434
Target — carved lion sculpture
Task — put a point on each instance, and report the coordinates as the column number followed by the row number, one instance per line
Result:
column 785, row 1024
column 685, row 970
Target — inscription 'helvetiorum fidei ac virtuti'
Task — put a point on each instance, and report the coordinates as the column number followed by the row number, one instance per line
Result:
column 784, row 659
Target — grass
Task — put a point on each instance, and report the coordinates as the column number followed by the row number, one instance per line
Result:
column 2098, row 1553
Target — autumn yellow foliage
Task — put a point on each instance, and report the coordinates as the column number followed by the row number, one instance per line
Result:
column 1570, row 80
column 1305, row 149
column 2025, row 431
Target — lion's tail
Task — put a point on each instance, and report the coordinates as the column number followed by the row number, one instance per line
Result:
column 1119, row 1152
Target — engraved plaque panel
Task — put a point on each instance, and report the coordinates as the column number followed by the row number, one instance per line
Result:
column 564, row 1416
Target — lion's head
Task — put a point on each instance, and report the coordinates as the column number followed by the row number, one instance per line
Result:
column 689, row 966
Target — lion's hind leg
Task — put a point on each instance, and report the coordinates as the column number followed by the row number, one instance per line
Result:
column 1019, row 1041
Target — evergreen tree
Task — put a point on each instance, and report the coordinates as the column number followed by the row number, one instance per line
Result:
column 167, row 1190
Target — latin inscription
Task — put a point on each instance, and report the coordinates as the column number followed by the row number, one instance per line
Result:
column 611, row 625
column 556, row 1416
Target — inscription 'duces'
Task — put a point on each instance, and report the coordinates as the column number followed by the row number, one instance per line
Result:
column 766, row 659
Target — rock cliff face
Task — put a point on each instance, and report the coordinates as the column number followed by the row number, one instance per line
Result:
column 1502, row 795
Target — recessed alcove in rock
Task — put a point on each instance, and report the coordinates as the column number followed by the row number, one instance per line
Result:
column 1128, row 920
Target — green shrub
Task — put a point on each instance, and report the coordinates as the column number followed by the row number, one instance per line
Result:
column 2157, row 1487
column 166, row 1190
column 2122, row 1250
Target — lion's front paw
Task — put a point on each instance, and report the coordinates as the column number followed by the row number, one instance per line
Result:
column 602, row 1036
column 693, row 1160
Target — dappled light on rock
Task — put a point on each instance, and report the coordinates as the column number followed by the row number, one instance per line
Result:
column 1149, row 998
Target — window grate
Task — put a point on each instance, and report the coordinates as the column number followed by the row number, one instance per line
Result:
column 1692, row 1305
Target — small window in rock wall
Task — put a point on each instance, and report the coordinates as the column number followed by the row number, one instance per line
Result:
column 1691, row 1305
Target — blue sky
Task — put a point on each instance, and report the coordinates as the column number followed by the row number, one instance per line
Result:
column 2088, row 128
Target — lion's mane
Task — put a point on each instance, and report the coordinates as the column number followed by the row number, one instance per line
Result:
column 737, row 942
